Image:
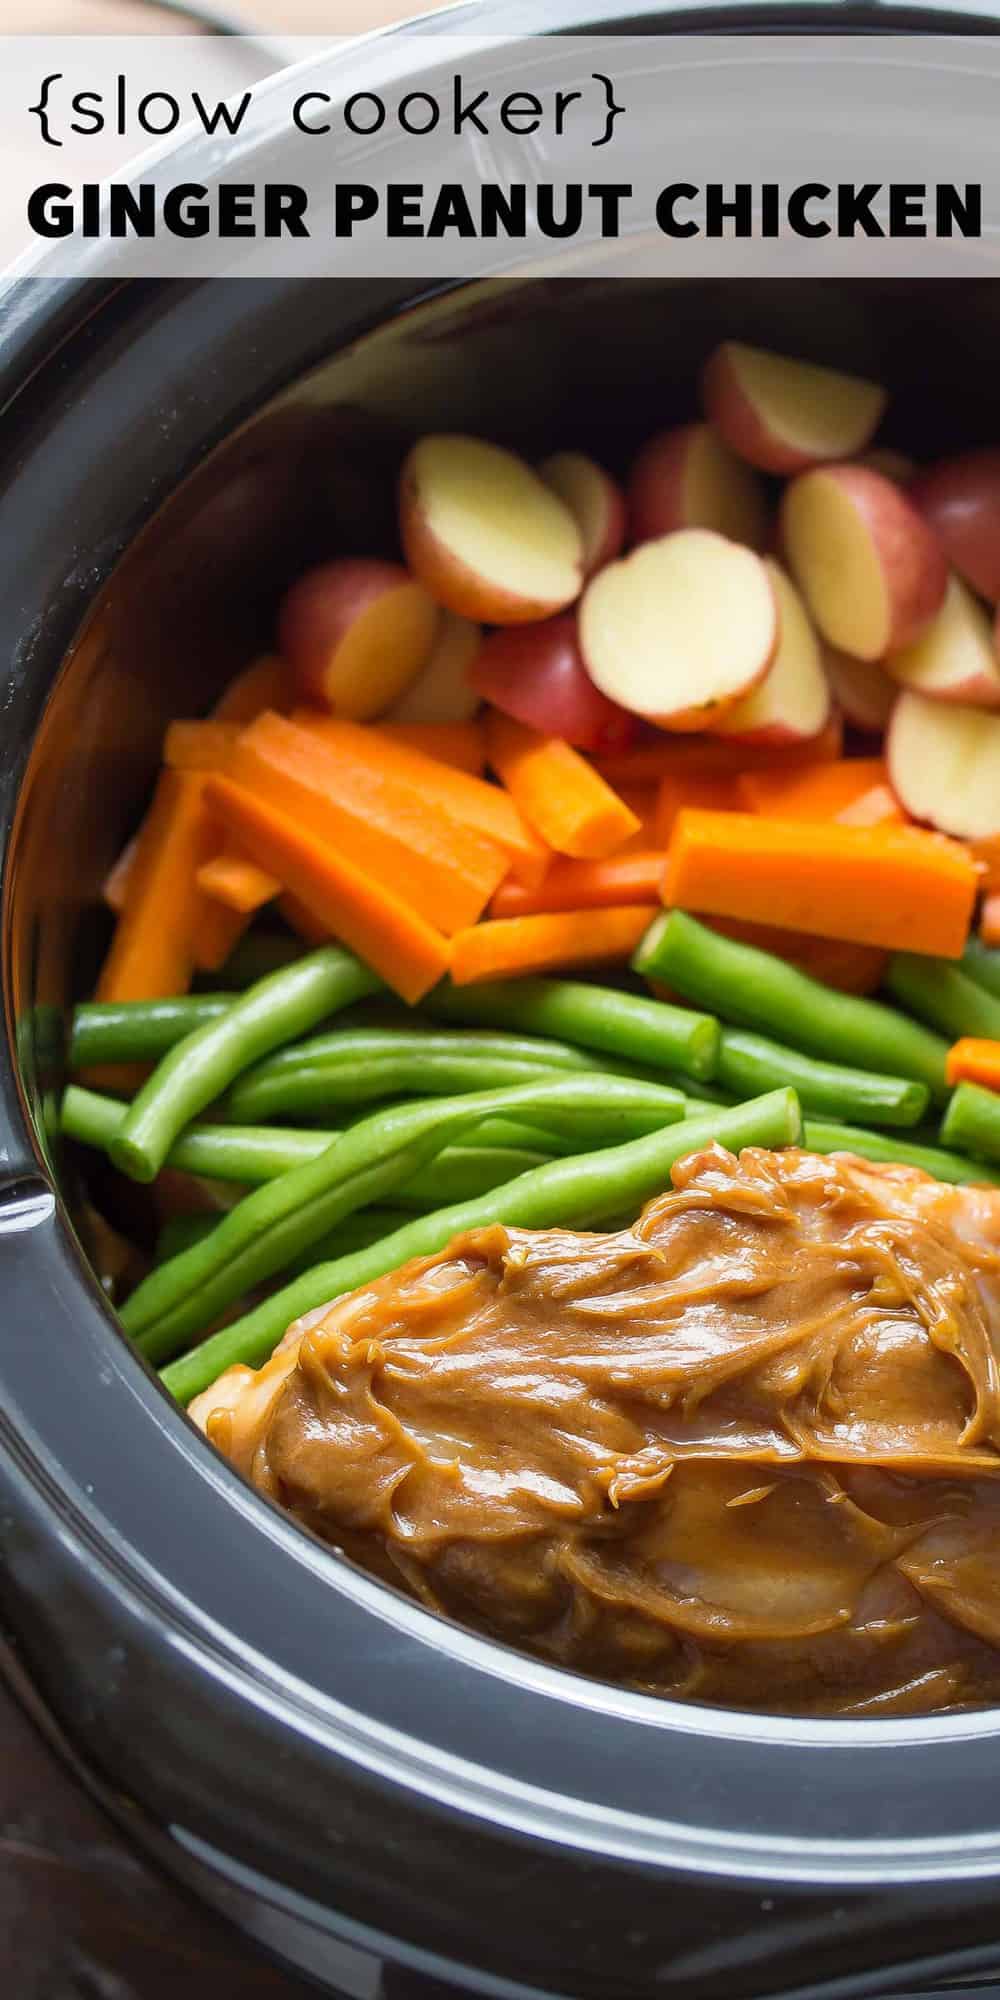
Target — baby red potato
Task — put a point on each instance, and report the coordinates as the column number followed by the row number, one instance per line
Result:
column 960, row 498
column 484, row 534
column 944, row 763
column 954, row 658
column 595, row 501
column 792, row 702
column 784, row 415
column 688, row 478
column 872, row 573
column 356, row 633
column 442, row 691
column 535, row 673
column 861, row 689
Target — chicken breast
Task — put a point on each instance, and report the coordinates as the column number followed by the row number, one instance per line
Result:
column 747, row 1452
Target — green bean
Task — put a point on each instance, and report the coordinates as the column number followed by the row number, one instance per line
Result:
column 982, row 965
column 113, row 1031
column 972, row 1122
column 197, row 1070
column 358, row 1065
column 352, row 1232
column 820, row 1137
column 624, row 1025
column 362, row 1166
column 756, row 990
column 250, row 1154
column 940, row 993
column 577, row 1193
column 750, row 1063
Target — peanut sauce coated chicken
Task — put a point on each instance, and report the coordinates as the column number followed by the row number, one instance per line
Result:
column 747, row 1452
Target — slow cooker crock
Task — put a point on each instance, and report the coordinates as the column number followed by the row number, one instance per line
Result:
column 358, row 1782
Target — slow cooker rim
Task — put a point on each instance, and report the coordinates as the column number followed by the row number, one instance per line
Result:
column 60, row 311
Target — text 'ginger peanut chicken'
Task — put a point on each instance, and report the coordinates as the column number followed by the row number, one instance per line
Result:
column 747, row 1452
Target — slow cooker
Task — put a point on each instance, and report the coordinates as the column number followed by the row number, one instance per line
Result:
column 372, row 1792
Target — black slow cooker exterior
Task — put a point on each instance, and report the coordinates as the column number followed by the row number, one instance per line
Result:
column 356, row 1781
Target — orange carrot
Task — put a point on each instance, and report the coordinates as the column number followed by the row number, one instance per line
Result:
column 238, row 883
column 630, row 877
column 640, row 800
column 373, row 920
column 890, row 886
column 814, row 791
column 711, row 757
column 877, row 807
column 461, row 800
column 218, row 929
column 462, row 744
column 152, row 951
column 301, row 920
column 989, row 921
column 851, row 968
column 385, row 826
column 265, row 683
column 987, row 854
column 720, row 794
column 547, row 943
column 115, row 882
column 560, row 795
column 199, row 746
column 974, row 1059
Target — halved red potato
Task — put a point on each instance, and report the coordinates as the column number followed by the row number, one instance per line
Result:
column 442, row 691
column 861, row 688
column 890, row 463
column 784, row 415
column 484, row 534
column 872, row 573
column 681, row 628
column 954, row 658
column 688, row 478
column 792, row 702
column 536, row 674
column 944, row 763
column 960, row 498
column 595, row 501
column 356, row 633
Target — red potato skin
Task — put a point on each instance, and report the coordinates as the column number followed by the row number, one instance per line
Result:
column 451, row 582
column 912, row 559
column 960, row 500
column 728, row 407
column 656, row 485
column 536, row 674
column 318, row 611
column 778, row 735
column 612, row 541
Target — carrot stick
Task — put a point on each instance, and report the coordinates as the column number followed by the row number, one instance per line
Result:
column 987, row 854
column 462, row 744
column 851, row 968
column 711, row 757
column 560, row 795
column 548, row 943
column 462, row 800
column 218, row 929
column 814, row 791
column 381, row 823
column 989, row 921
column 877, row 807
column 372, row 920
column 238, row 883
column 115, row 882
column 721, row 794
column 199, row 746
column 889, row 886
column 152, row 951
column 974, row 1059
column 265, row 683
column 630, row 877
column 302, row 921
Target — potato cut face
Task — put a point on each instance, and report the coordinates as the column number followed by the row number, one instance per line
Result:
column 954, row 659
column 381, row 653
column 819, row 411
column 593, row 500
column 944, row 762
column 792, row 702
column 488, row 512
column 681, row 627
column 835, row 561
column 721, row 492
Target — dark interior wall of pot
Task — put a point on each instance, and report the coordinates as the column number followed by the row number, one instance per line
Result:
column 287, row 460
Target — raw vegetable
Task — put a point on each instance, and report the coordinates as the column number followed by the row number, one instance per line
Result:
column 217, row 931
column 960, row 498
column 760, row 991
column 632, row 876
column 814, row 791
column 441, row 695
column 128, row 1031
column 375, row 921
column 688, row 478
column 709, row 794
column 198, row 1069
column 199, row 746
column 240, row 884
column 972, row 1122
column 355, row 633
column 982, row 965
column 887, row 1149
column 989, row 923
column 944, row 762
column 484, row 534
column 973, row 1059
column 783, row 414
column 371, row 1160
column 889, row 886
column 953, row 659
column 513, row 946
column 462, row 744
column 623, row 1025
column 595, row 502
column 265, row 683
column 871, row 572
column 792, row 702
column 535, row 674
column 750, row 1063
column 116, row 880
column 578, row 1193
column 152, row 951
column 713, row 757
column 560, row 796
column 944, row 996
